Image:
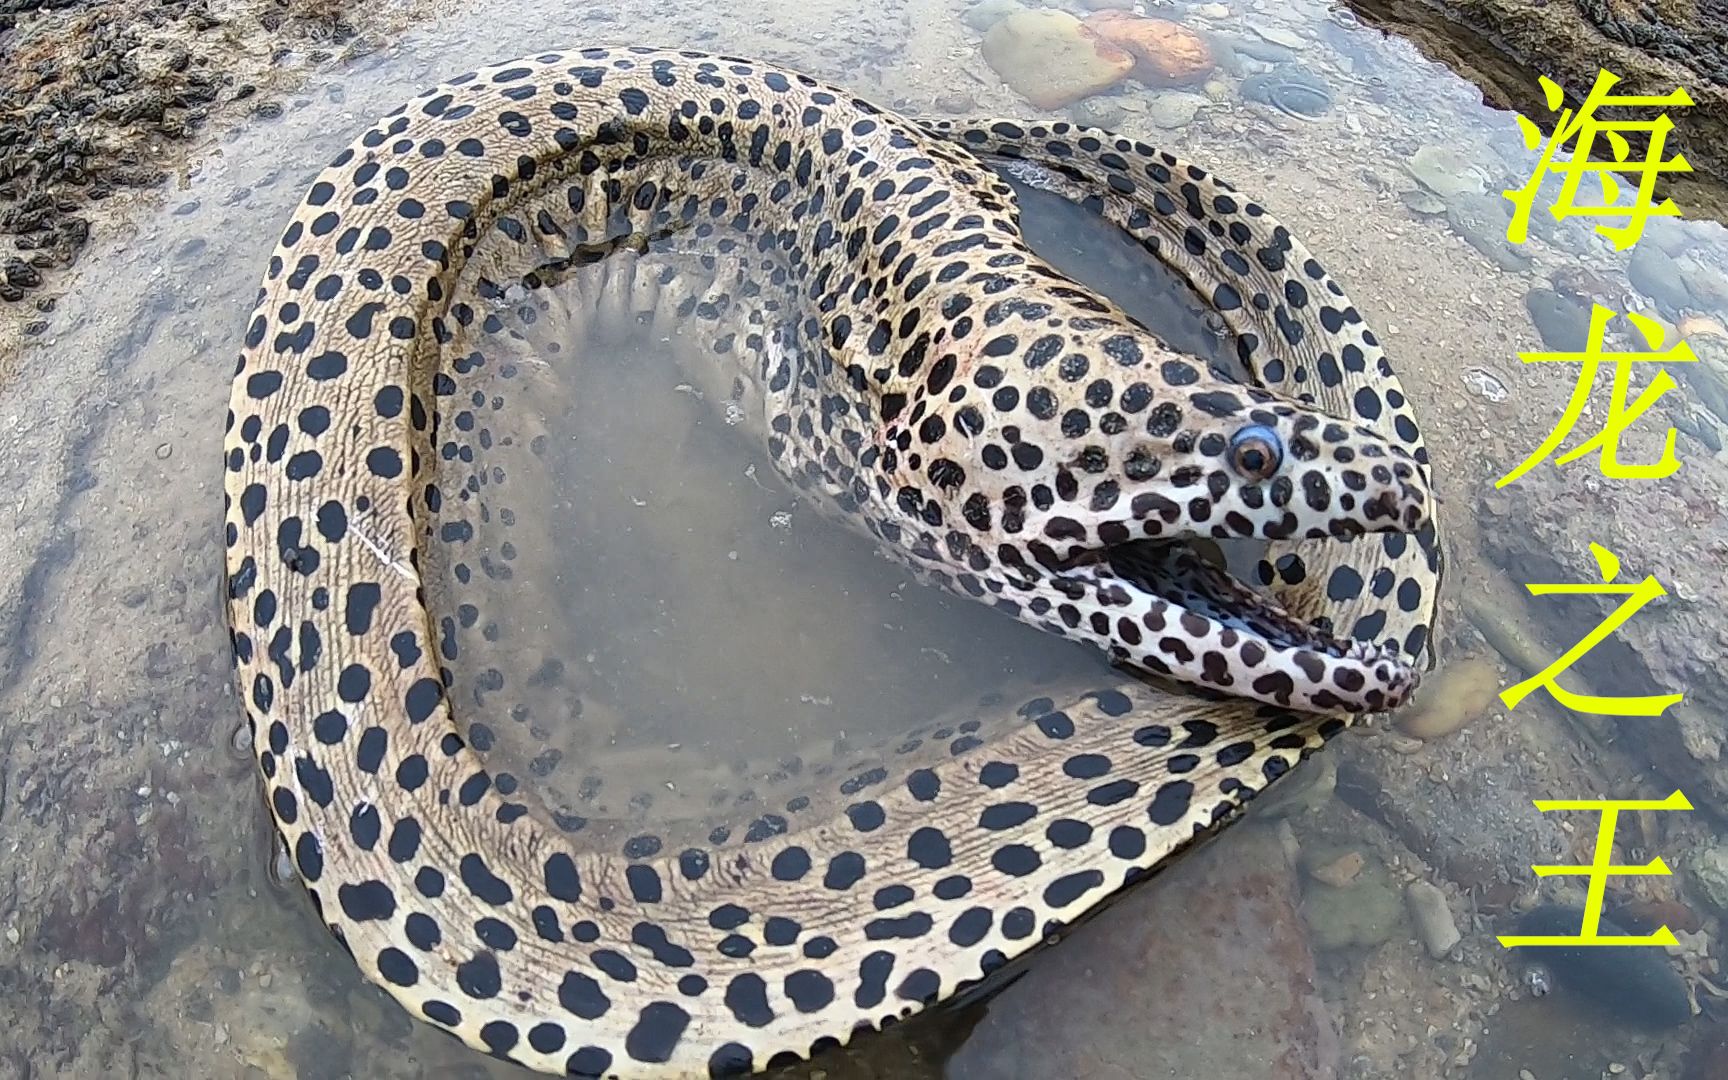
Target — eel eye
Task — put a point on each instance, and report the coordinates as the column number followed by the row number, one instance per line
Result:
column 1256, row 452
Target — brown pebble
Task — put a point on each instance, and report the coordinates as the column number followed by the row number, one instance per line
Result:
column 1460, row 692
column 1340, row 872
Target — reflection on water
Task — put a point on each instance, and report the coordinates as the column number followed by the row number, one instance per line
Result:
column 1350, row 931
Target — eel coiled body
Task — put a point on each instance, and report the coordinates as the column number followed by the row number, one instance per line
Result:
column 997, row 427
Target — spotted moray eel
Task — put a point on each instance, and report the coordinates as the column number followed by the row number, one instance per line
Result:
column 1005, row 431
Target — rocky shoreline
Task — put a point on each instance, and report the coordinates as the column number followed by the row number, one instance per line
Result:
column 102, row 98
column 1654, row 46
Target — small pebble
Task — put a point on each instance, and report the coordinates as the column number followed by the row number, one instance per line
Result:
column 1099, row 112
column 1366, row 914
column 1709, row 870
column 1433, row 918
column 982, row 16
column 1403, row 744
column 22, row 274
column 1279, row 36
column 1289, row 844
column 1460, row 692
column 282, row 869
column 1538, row 980
column 1173, row 111
column 1340, row 872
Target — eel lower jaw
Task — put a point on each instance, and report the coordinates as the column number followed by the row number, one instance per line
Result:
column 1220, row 615
column 1181, row 575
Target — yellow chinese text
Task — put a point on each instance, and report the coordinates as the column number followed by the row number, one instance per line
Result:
column 1601, row 868
column 1584, row 126
column 1636, row 597
column 1620, row 413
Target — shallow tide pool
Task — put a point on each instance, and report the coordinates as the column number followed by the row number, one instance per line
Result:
column 716, row 642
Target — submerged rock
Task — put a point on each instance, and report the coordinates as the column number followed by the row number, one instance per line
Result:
column 1424, row 202
column 1658, row 277
column 1481, row 220
column 1706, row 379
column 1653, row 48
column 1562, row 322
column 1433, row 918
column 1707, row 284
column 1277, row 35
column 1544, row 531
column 1099, row 112
column 1175, row 110
column 1446, row 172
column 1709, row 869
column 1306, row 787
column 1052, row 59
column 1210, row 961
column 1258, row 49
column 1365, row 912
column 1291, row 89
column 1460, row 692
column 1634, row 983
column 987, row 13
column 1165, row 53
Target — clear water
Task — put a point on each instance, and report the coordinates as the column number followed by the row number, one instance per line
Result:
column 140, row 932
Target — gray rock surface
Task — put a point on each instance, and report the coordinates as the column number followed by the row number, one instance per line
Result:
column 1207, row 971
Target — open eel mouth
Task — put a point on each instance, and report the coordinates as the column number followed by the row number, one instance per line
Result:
column 1185, row 576
column 1236, row 639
